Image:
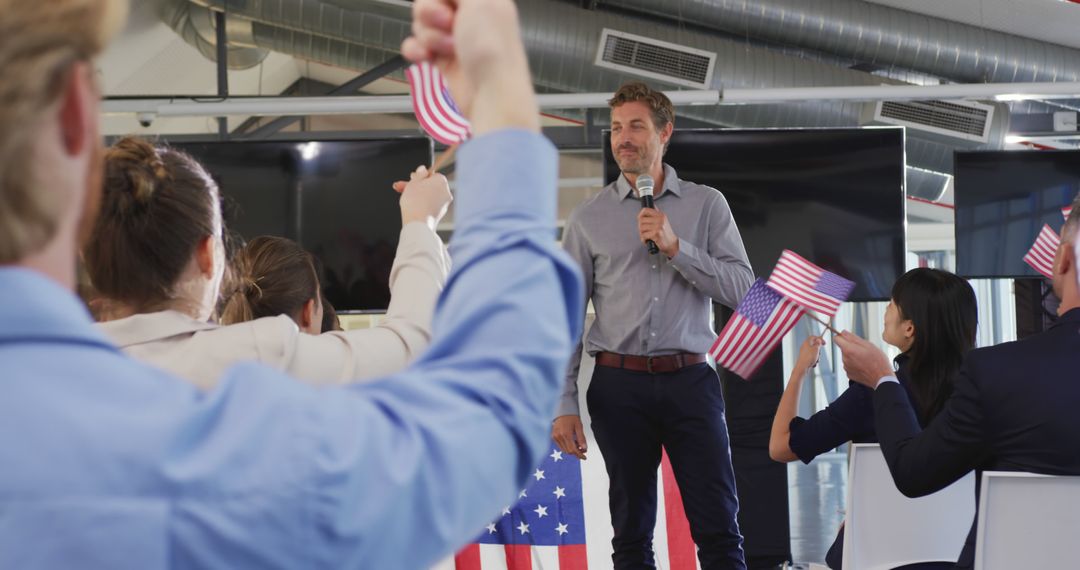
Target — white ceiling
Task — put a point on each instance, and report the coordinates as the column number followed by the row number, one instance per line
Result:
column 150, row 59
column 1055, row 21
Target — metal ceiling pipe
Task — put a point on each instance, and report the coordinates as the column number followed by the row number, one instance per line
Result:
column 878, row 34
column 562, row 41
column 195, row 24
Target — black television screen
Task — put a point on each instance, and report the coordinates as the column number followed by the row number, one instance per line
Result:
column 1003, row 198
column 834, row 196
column 333, row 197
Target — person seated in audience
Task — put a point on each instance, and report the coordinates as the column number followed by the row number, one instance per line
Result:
column 274, row 276
column 156, row 256
column 1014, row 406
column 932, row 318
column 109, row 463
column 330, row 320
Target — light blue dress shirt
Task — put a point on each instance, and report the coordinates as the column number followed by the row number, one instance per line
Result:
column 109, row 463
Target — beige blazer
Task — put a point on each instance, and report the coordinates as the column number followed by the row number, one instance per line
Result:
column 200, row 352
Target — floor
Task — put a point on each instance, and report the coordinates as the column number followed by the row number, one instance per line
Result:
column 816, row 494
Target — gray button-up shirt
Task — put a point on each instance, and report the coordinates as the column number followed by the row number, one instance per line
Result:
column 648, row 304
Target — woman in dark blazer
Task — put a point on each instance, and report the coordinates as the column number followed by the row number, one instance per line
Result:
column 931, row 318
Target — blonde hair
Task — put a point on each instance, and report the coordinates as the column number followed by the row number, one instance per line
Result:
column 39, row 42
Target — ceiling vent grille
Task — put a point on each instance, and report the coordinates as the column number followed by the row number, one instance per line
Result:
column 961, row 119
column 655, row 59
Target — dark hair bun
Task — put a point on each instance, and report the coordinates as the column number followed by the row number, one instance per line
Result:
column 138, row 166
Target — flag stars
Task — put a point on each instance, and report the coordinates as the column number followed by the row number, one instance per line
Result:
column 559, row 492
column 541, row 511
column 538, row 475
column 556, row 455
column 523, row 494
column 491, row 528
column 506, row 510
column 524, row 528
column 561, row 529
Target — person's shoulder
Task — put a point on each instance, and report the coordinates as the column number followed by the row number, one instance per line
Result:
column 267, row 339
column 278, row 331
column 595, row 205
column 707, row 194
column 1007, row 356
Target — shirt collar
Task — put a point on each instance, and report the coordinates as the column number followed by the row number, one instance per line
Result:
column 623, row 190
column 151, row 327
column 34, row 307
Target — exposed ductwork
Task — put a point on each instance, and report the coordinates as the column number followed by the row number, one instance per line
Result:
column 878, row 34
column 563, row 42
column 195, row 24
column 566, row 47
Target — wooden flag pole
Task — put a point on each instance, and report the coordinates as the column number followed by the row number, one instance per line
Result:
column 443, row 159
column 818, row 319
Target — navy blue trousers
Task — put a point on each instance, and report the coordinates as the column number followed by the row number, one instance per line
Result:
column 634, row 415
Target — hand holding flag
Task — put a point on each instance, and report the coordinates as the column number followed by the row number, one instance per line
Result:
column 771, row 309
column 476, row 46
column 434, row 108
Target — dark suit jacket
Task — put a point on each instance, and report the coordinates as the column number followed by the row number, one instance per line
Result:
column 1015, row 407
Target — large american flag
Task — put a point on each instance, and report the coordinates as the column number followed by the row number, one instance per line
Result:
column 548, row 520
column 1041, row 255
column 562, row 522
column 759, row 323
column 810, row 286
column 434, row 108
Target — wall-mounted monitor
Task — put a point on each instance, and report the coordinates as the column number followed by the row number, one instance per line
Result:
column 1003, row 198
column 334, row 197
column 835, row 196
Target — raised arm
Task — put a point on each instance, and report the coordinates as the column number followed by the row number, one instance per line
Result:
column 418, row 276
column 779, row 445
column 413, row 466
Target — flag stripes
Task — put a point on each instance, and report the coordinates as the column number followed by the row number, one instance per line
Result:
column 809, row 285
column 759, row 323
column 434, row 108
column 1041, row 255
column 682, row 554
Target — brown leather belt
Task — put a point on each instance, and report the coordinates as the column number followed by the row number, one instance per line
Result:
column 650, row 364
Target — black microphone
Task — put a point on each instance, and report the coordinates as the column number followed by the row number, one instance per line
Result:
column 645, row 190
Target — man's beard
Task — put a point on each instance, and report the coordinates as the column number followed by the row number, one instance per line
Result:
column 636, row 164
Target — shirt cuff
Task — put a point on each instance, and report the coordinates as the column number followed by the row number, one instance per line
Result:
column 568, row 406
column 885, row 379
column 685, row 259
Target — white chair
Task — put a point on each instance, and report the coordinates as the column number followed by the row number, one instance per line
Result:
column 884, row 529
column 1027, row 521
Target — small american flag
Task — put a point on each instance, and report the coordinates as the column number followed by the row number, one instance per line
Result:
column 436, row 111
column 1066, row 211
column 1041, row 255
column 760, row 321
column 810, row 286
